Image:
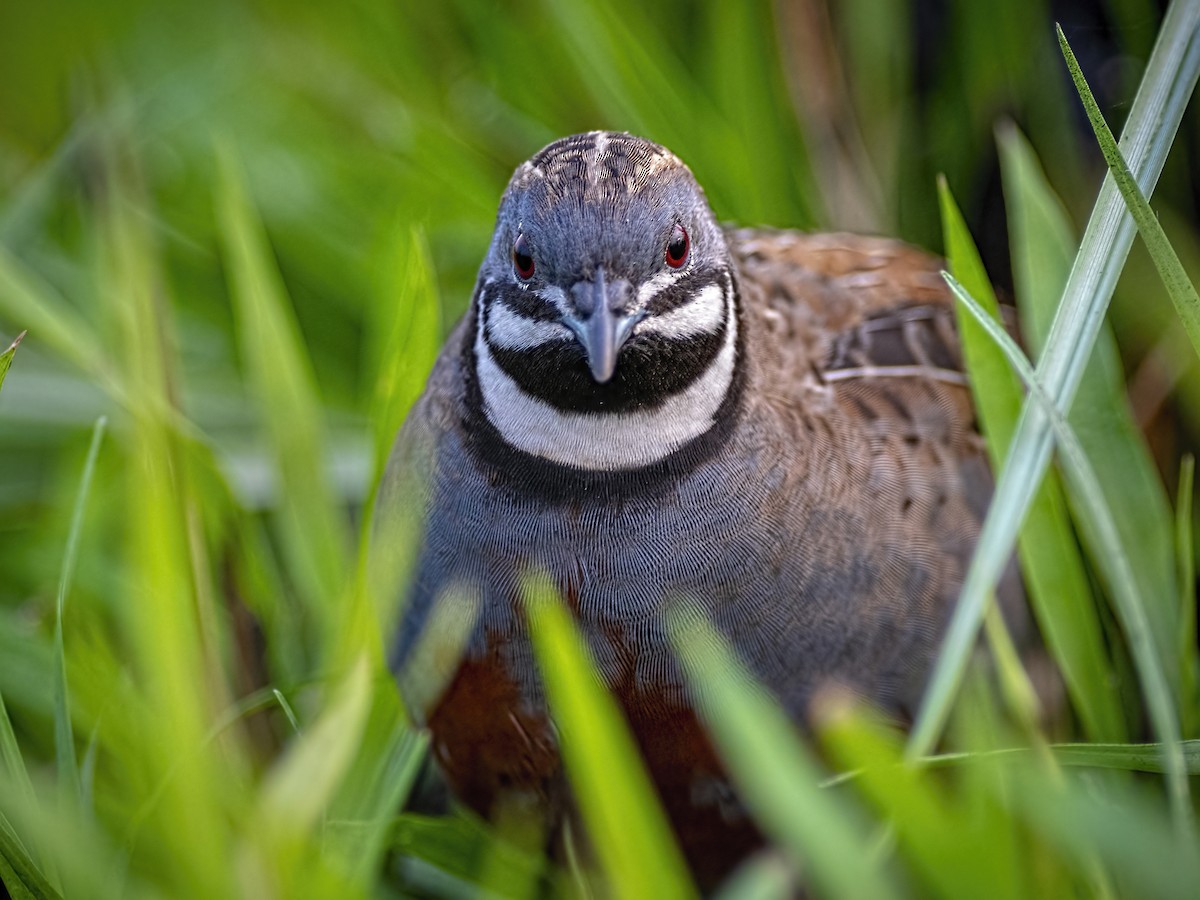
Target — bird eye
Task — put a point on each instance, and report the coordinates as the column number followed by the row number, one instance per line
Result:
column 677, row 247
column 522, row 258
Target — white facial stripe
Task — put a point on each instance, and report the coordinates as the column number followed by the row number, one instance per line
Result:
column 652, row 287
column 702, row 314
column 513, row 331
column 556, row 297
column 599, row 441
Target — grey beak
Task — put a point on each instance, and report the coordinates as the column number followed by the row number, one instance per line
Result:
column 603, row 330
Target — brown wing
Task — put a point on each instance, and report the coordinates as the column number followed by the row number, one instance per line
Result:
column 859, row 306
column 860, row 332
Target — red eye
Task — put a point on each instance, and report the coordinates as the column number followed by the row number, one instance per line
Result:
column 522, row 258
column 677, row 247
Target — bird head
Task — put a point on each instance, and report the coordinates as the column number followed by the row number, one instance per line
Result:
column 607, row 289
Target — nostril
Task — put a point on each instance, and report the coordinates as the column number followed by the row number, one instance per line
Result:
column 583, row 298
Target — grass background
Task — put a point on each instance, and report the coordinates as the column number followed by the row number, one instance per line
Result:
column 237, row 233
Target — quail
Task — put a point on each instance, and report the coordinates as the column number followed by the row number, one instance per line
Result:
column 773, row 425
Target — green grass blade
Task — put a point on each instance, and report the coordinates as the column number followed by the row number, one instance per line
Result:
column 6, row 357
column 406, row 329
column 939, row 829
column 18, row 873
column 1121, row 757
column 1054, row 572
column 764, row 877
column 281, row 373
column 385, row 767
column 1166, row 261
column 1129, row 757
column 1114, row 561
column 1189, row 663
column 296, row 792
column 170, row 684
column 1150, row 130
column 70, row 788
column 460, row 846
column 776, row 775
column 405, row 324
column 1080, row 818
column 16, row 774
column 27, row 298
column 633, row 841
column 287, row 831
column 1100, row 416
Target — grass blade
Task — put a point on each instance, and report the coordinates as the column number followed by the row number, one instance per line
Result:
column 1130, row 602
column 1055, row 576
column 1100, row 416
column 1153, row 121
column 1189, row 663
column 16, row 774
column 27, row 298
column 6, row 357
column 17, row 871
column 954, row 838
column 1129, row 757
column 406, row 326
column 1166, row 261
column 1119, row 826
column 388, row 759
column 775, row 774
column 281, row 372
column 634, row 843
column 297, row 790
column 1120, row 757
column 70, row 788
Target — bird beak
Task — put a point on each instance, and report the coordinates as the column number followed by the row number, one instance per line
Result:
column 603, row 331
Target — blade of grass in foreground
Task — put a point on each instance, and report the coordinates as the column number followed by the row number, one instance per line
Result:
column 1055, row 576
column 1189, row 653
column 955, row 838
column 284, row 834
column 281, row 372
column 15, row 857
column 405, row 336
column 1119, row 757
column 6, row 357
column 27, row 298
column 632, row 838
column 1100, row 416
column 297, row 789
column 64, row 735
column 1166, row 261
column 386, row 764
column 1151, row 128
column 1114, row 561
column 775, row 774
column 1119, row 825
column 17, row 871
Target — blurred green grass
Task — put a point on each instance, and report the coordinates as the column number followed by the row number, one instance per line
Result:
column 238, row 231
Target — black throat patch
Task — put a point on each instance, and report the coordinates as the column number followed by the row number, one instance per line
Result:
column 652, row 369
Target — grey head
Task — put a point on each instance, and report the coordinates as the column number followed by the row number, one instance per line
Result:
column 605, row 333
